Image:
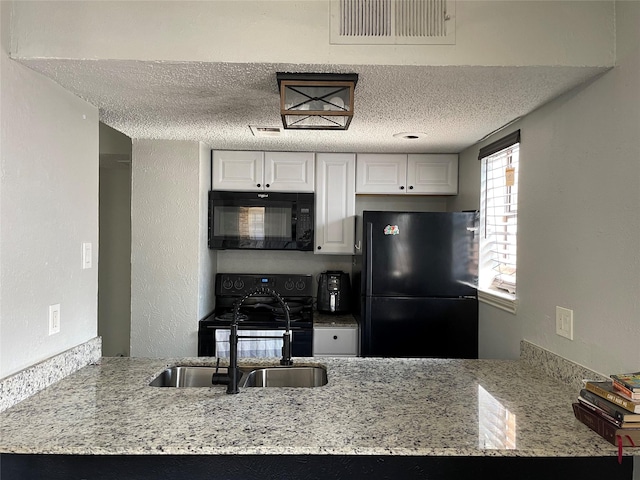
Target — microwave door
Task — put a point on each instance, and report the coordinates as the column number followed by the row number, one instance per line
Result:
column 278, row 224
column 241, row 220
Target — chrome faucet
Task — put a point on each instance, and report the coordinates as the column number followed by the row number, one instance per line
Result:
column 234, row 377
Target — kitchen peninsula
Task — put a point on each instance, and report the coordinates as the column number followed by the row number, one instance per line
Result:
column 376, row 418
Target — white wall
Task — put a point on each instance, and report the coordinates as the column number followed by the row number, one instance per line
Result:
column 570, row 33
column 165, row 247
column 578, row 218
column 49, row 207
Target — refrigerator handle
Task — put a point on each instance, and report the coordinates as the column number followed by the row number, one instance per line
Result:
column 368, row 259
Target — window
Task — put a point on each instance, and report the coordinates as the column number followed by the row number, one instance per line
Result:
column 499, row 222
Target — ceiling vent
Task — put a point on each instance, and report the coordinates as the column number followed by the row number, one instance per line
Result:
column 265, row 131
column 393, row 22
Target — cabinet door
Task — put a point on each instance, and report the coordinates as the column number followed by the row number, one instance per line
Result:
column 432, row 174
column 238, row 170
column 289, row 171
column 381, row 173
column 335, row 203
column 339, row 341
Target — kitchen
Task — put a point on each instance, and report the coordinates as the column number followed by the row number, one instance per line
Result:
column 581, row 192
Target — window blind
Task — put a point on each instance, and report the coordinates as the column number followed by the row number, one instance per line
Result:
column 500, row 217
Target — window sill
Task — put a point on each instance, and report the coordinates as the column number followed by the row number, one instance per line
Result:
column 503, row 301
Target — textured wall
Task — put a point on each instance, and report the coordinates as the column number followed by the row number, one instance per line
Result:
column 49, row 207
column 207, row 258
column 578, row 219
column 165, row 251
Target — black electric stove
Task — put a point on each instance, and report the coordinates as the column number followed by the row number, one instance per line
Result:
column 261, row 312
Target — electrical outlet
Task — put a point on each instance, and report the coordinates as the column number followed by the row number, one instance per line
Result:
column 54, row 318
column 564, row 322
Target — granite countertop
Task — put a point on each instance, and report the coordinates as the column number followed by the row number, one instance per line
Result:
column 426, row 407
column 334, row 320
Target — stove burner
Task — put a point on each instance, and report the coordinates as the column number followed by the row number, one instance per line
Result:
column 228, row 317
column 259, row 304
column 280, row 317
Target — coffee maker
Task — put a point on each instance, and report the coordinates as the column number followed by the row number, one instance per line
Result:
column 334, row 292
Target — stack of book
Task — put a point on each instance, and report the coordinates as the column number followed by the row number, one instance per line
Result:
column 612, row 409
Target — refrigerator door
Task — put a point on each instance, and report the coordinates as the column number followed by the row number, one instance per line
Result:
column 418, row 327
column 431, row 254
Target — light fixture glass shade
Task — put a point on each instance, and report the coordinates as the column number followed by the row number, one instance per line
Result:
column 316, row 101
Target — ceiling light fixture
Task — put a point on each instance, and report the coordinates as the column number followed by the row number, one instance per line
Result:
column 316, row 101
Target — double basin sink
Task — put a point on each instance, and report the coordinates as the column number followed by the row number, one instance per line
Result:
column 256, row 376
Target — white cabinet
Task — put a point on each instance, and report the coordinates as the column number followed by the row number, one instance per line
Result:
column 289, row 171
column 413, row 174
column 255, row 171
column 432, row 174
column 335, row 203
column 335, row 341
column 238, row 170
column 381, row 173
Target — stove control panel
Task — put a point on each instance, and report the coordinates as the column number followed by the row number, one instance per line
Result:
column 237, row 284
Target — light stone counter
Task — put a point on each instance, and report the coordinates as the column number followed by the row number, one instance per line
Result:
column 333, row 320
column 410, row 407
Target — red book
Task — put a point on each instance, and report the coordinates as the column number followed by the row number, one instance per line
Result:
column 629, row 380
column 621, row 437
column 625, row 391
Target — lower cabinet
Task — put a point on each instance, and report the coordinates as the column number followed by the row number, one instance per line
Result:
column 335, row 341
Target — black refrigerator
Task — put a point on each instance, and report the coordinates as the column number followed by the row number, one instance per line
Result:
column 418, row 282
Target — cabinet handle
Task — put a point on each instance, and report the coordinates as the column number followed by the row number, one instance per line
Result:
column 402, row 187
column 411, row 187
column 258, row 185
column 267, row 185
column 335, row 337
column 319, row 247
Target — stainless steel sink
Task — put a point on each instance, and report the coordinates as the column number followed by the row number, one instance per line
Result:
column 285, row 377
column 196, row 376
column 276, row 376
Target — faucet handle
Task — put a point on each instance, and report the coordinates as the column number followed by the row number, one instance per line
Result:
column 286, row 349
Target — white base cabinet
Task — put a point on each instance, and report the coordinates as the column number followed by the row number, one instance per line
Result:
column 334, row 341
column 335, row 203
column 412, row 174
column 259, row 171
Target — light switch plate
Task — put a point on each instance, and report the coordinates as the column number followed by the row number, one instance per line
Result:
column 86, row 255
column 54, row 319
column 564, row 322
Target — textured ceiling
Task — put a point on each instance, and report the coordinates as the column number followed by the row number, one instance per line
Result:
column 217, row 102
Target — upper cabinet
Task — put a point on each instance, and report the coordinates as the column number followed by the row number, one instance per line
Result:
column 414, row 174
column 255, row 171
column 335, row 203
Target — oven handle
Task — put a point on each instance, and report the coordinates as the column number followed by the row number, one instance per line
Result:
column 256, row 337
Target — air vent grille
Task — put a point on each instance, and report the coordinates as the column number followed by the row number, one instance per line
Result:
column 392, row 22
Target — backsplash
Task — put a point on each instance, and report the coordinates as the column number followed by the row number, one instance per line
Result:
column 557, row 367
column 31, row 380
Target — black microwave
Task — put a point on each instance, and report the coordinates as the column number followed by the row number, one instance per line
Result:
column 261, row 220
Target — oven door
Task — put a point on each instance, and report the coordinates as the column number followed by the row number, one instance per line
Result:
column 260, row 221
column 213, row 341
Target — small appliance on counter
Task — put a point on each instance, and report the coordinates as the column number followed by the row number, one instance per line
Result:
column 334, row 292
